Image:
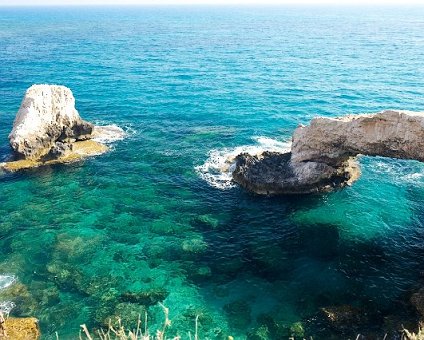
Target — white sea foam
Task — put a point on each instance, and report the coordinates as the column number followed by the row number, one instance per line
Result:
column 108, row 133
column 400, row 171
column 6, row 307
column 218, row 168
column 6, row 281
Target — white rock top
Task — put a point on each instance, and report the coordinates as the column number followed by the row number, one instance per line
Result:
column 47, row 114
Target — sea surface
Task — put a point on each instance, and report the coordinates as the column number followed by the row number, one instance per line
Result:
column 157, row 220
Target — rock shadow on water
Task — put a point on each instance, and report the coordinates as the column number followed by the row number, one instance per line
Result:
column 327, row 270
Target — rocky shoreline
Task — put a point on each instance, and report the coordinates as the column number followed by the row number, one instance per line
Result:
column 323, row 154
column 49, row 130
column 19, row 328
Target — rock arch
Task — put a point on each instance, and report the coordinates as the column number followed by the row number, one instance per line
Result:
column 323, row 153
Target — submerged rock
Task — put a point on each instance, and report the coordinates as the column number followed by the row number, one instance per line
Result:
column 194, row 246
column 24, row 302
column 239, row 314
column 146, row 298
column 322, row 155
column 48, row 130
column 390, row 133
column 297, row 330
column 259, row 333
column 343, row 319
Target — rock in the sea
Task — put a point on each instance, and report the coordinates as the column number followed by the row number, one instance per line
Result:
column 239, row 314
column 47, row 116
column 272, row 173
column 145, row 298
column 323, row 154
column 396, row 134
column 20, row 329
column 48, row 130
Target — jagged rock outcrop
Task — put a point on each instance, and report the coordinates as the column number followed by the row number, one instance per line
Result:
column 48, row 129
column 323, row 154
column 47, row 123
column 273, row 173
column 396, row 134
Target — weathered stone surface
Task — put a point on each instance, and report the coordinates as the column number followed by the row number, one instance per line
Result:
column 77, row 151
column 396, row 134
column 48, row 130
column 146, row 298
column 47, row 115
column 20, row 329
column 322, row 155
column 272, row 173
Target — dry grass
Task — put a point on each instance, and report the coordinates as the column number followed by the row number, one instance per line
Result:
column 407, row 335
column 118, row 331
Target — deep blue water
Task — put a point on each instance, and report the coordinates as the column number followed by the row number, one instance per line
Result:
column 191, row 85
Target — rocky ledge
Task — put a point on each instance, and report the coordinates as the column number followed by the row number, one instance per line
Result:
column 323, row 154
column 48, row 129
column 19, row 329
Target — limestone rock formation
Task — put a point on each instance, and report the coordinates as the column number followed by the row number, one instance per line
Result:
column 20, row 329
column 396, row 134
column 46, row 122
column 48, row 129
column 273, row 173
column 323, row 154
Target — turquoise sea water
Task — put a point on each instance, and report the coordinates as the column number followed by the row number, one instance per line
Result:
column 154, row 217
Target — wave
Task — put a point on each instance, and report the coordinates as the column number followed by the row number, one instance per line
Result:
column 109, row 133
column 6, row 281
column 400, row 171
column 218, row 168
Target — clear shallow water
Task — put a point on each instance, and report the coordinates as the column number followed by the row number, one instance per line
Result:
column 188, row 83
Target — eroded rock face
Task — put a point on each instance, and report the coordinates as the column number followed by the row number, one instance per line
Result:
column 272, row 173
column 47, row 116
column 323, row 154
column 396, row 134
column 48, row 130
column 20, row 329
